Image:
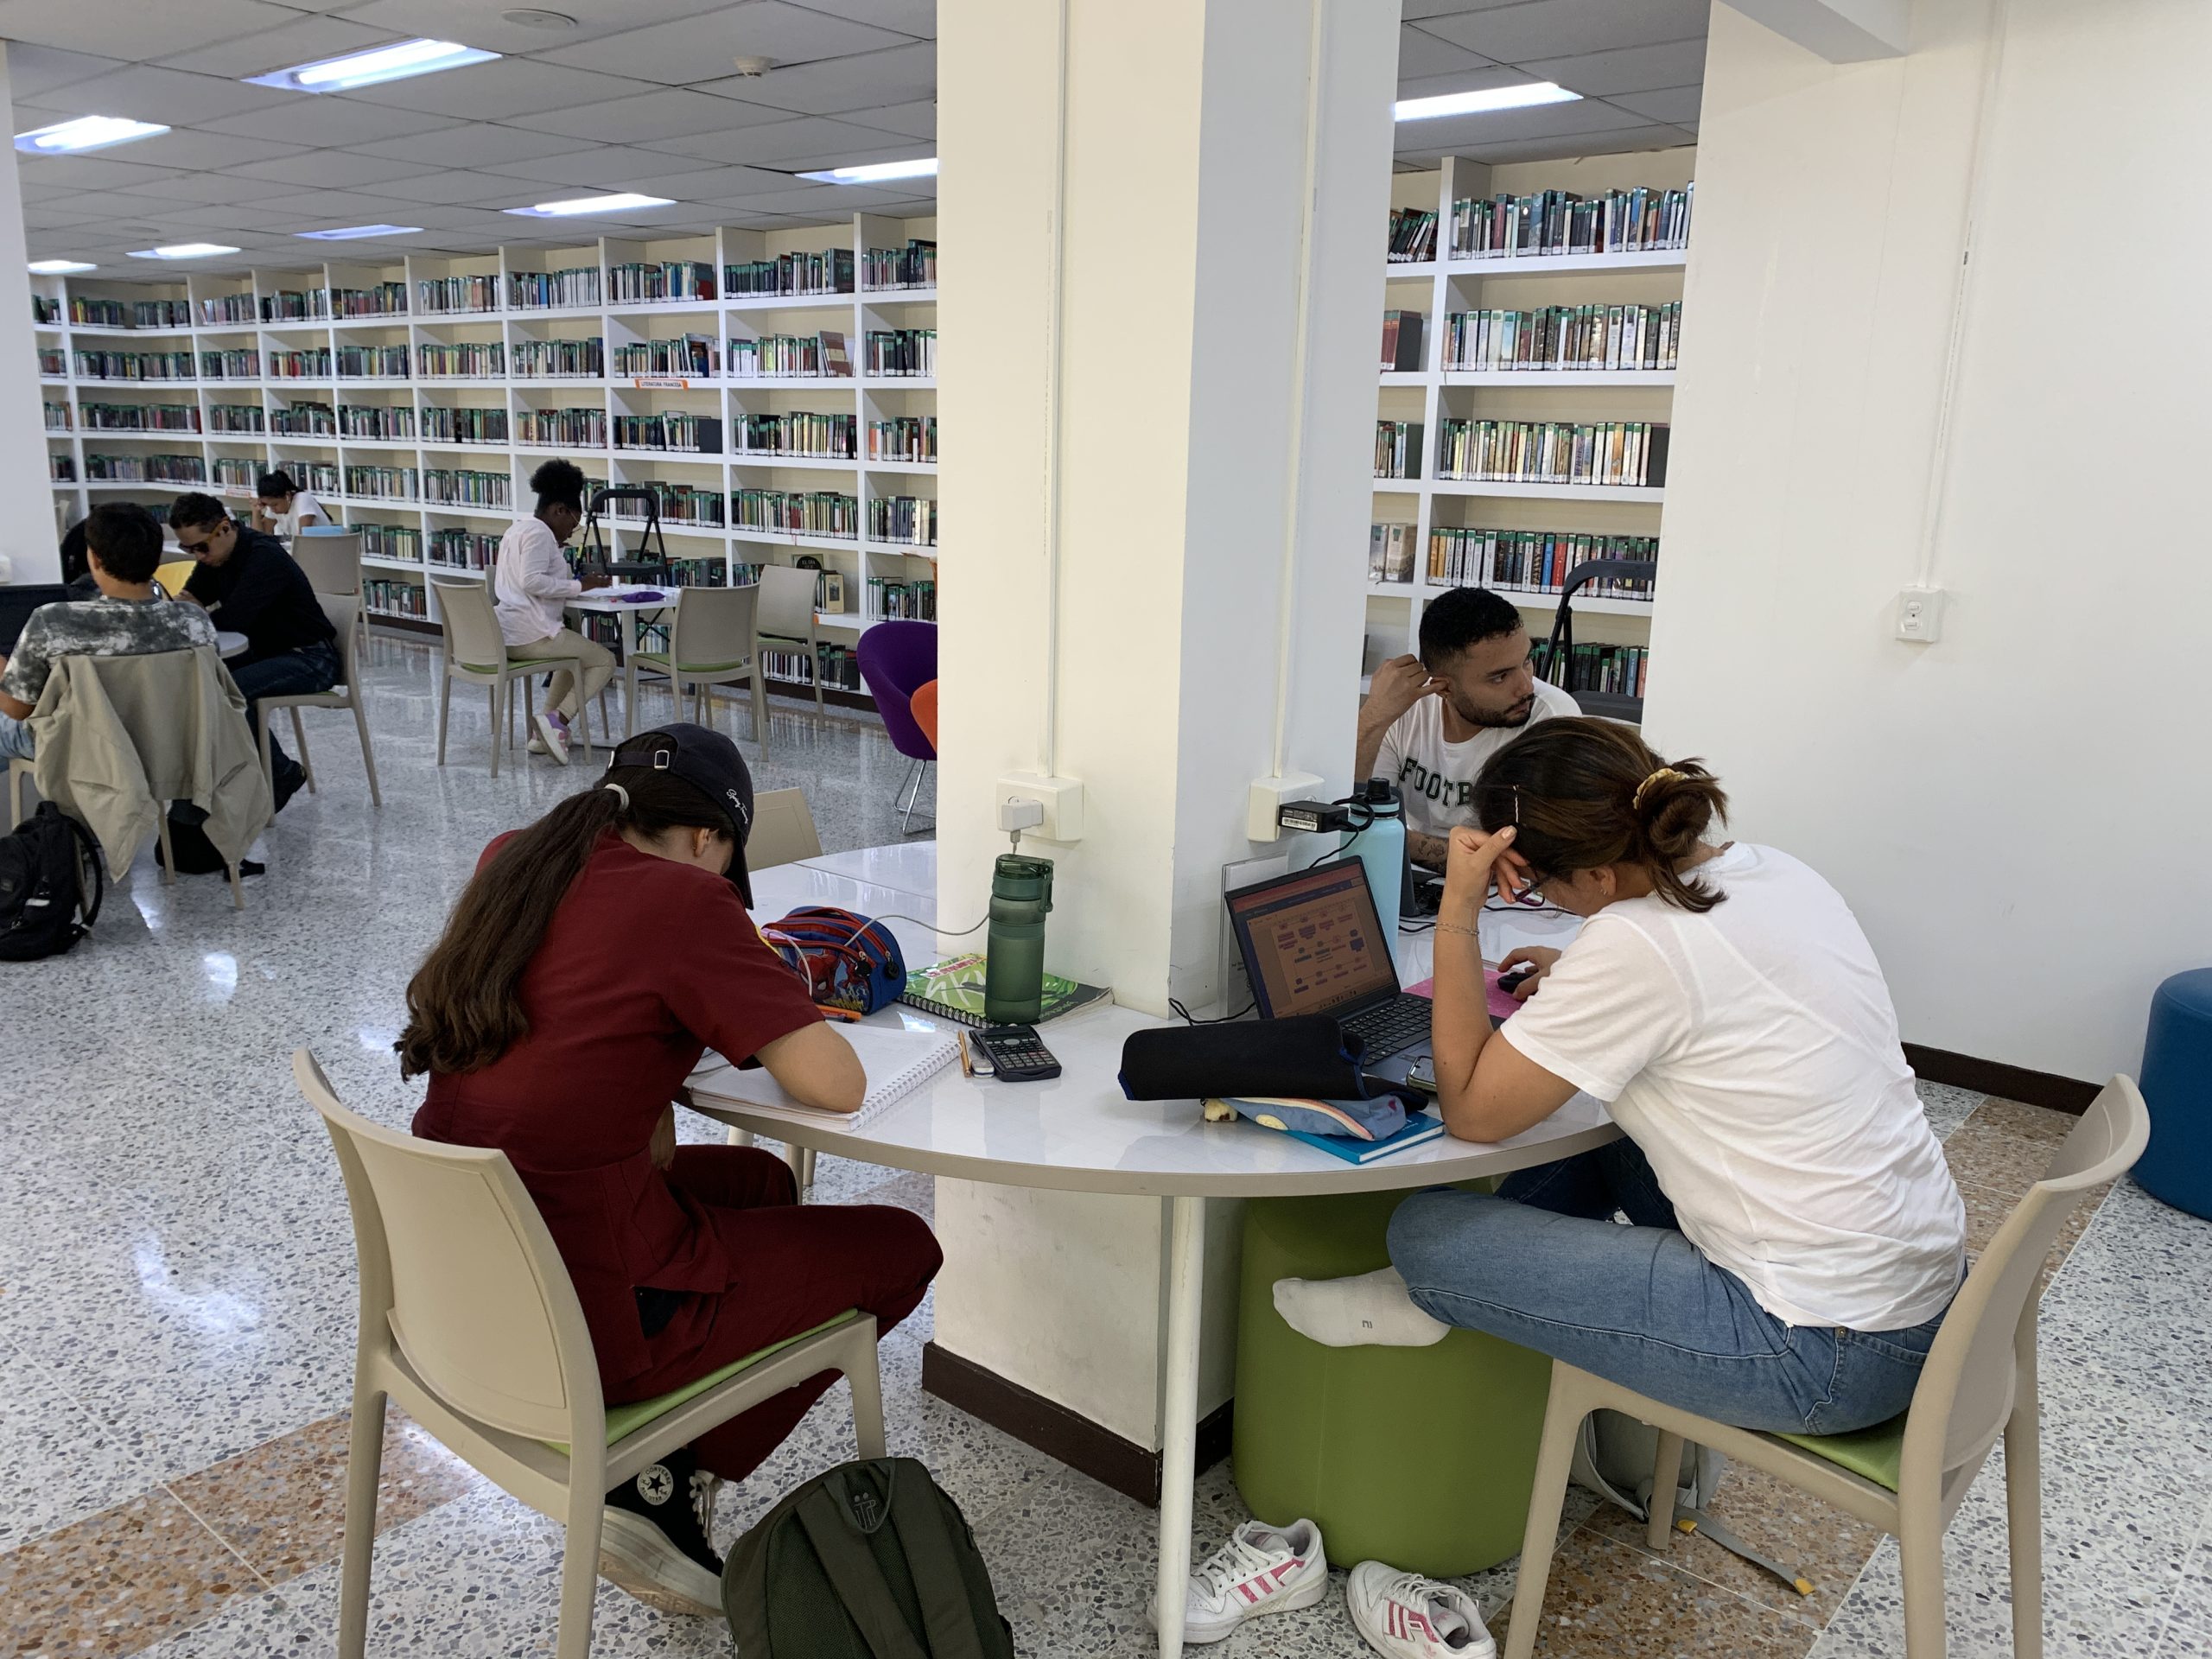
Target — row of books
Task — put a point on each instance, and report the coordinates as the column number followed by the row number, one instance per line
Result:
column 316, row 477
column 691, row 355
column 907, row 518
column 683, row 504
column 456, row 486
column 242, row 364
column 836, row 666
column 58, row 417
column 788, row 356
column 372, row 363
column 694, row 434
column 295, row 305
column 471, row 359
column 113, row 313
column 529, row 290
column 130, row 417
column 60, row 469
column 463, row 550
column 229, row 308
column 899, row 351
column 537, row 359
column 383, row 596
column 1554, row 452
column 1397, row 448
column 144, row 469
column 911, row 266
column 376, row 420
column 1533, row 561
column 1413, row 236
column 47, row 311
column 464, row 425
column 1617, row 671
column 434, row 294
column 798, row 512
column 53, row 360
column 901, row 601
column 131, row 365
column 305, row 420
column 1390, row 552
column 668, row 279
column 236, row 417
column 1401, row 337
column 581, row 428
column 905, row 437
column 384, row 299
column 235, row 473
column 1566, row 337
column 390, row 541
column 825, row 437
column 313, row 363
column 1641, row 219
column 829, row 271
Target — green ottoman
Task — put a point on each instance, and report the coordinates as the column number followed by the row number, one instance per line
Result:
column 1418, row 1457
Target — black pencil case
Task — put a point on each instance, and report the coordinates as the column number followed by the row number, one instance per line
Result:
column 1310, row 1056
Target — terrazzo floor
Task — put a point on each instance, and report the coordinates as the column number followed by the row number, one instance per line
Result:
column 176, row 1315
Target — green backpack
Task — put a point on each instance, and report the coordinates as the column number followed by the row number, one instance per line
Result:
column 871, row 1560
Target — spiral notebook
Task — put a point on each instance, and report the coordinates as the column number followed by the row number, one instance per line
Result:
column 898, row 1061
column 953, row 989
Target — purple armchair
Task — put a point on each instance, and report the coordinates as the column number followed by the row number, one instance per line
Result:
column 896, row 658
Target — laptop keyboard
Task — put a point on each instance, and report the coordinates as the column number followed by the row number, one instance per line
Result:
column 1393, row 1024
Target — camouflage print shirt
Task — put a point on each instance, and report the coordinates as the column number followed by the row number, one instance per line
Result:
column 100, row 627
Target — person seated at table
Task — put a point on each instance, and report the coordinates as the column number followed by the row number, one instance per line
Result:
column 281, row 507
column 1430, row 721
column 547, row 1032
column 1795, row 1236
column 249, row 584
column 76, row 564
column 127, row 618
column 533, row 584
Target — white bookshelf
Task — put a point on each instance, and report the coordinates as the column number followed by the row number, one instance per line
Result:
column 720, row 396
column 1432, row 394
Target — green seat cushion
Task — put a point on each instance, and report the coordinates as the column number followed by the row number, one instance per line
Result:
column 660, row 660
column 1871, row 1453
column 627, row 1420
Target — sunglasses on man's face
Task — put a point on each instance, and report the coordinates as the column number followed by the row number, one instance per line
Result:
column 194, row 548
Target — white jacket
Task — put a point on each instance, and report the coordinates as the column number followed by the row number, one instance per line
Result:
column 531, row 584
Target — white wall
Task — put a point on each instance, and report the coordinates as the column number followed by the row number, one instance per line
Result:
column 28, row 540
column 2017, row 812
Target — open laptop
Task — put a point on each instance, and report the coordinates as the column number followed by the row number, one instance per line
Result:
column 1313, row 943
column 17, row 604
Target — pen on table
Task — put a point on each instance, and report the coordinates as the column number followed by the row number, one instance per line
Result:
column 967, row 1065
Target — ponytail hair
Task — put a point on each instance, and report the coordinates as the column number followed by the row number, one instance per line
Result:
column 464, row 1007
column 1585, row 794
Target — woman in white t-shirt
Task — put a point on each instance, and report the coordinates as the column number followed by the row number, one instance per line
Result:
column 281, row 508
column 1796, row 1236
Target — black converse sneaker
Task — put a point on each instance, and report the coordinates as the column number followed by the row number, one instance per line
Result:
column 654, row 1541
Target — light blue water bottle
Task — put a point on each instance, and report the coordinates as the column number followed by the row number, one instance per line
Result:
column 1381, row 848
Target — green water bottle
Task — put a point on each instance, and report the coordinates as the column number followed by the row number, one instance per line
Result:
column 1013, row 970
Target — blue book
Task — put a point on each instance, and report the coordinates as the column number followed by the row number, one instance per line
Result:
column 1352, row 1148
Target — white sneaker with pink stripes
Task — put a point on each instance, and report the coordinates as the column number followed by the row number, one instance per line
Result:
column 1261, row 1569
column 1404, row 1615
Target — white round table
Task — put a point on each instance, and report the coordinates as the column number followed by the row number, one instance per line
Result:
column 230, row 644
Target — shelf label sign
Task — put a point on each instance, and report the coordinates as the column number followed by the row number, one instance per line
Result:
column 666, row 382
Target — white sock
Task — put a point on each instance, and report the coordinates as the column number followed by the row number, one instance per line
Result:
column 1371, row 1309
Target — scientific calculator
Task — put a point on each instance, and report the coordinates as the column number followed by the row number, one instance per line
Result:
column 1015, row 1053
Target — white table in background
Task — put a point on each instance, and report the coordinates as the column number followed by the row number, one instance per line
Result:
column 908, row 867
column 608, row 602
column 230, row 645
column 1077, row 1133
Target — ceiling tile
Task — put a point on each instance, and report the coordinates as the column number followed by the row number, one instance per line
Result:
column 1457, row 133
column 1560, row 28
column 745, row 184
column 493, row 92
column 917, row 120
column 1417, row 11
column 334, row 169
column 1678, row 105
column 1624, row 142
column 1633, row 69
column 93, row 172
column 686, row 181
column 1422, row 55
column 916, row 17
column 469, row 146
column 486, row 28
column 205, row 151
column 329, row 119
column 306, row 39
column 828, row 203
column 314, row 208
column 145, row 93
column 901, row 75
column 35, row 69
column 456, row 185
column 807, row 136
column 663, row 113
column 700, row 48
column 207, row 187
column 136, row 29
column 605, row 166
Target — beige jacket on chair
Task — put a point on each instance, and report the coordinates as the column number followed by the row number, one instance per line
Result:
column 119, row 737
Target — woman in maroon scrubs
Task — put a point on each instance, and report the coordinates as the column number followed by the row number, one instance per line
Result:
column 591, row 961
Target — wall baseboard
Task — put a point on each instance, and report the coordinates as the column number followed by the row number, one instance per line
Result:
column 1059, row 1432
column 2006, row 1082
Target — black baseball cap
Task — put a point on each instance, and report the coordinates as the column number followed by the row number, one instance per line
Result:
column 709, row 762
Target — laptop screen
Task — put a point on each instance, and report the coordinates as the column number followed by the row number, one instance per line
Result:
column 1312, row 942
column 17, row 604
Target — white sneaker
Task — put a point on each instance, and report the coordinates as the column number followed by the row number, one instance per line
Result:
column 1261, row 1569
column 1404, row 1615
column 554, row 737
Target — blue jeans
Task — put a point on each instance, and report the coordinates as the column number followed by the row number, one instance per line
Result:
column 1542, row 1263
column 315, row 668
column 16, row 742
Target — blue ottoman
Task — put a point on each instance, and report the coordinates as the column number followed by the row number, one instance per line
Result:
column 2177, row 1167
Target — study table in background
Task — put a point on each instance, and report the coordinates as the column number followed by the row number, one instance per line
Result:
column 1077, row 1133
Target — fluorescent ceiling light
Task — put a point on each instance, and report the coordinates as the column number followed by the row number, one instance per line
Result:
column 59, row 267
column 349, row 232
column 922, row 167
column 182, row 251
column 379, row 64
column 85, row 132
column 615, row 203
column 1482, row 103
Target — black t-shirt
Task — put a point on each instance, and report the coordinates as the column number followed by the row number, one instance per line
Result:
column 260, row 592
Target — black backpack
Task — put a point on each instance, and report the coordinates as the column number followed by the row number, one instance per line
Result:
column 48, row 863
column 871, row 1560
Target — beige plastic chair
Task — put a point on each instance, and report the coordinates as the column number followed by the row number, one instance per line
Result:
column 783, row 830
column 476, row 654
column 471, row 1323
column 1907, row 1476
column 344, row 612
column 711, row 642
column 787, row 616
column 333, row 563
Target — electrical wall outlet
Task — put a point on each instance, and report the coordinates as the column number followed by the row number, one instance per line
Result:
column 1061, row 799
column 1920, row 614
column 1017, row 813
column 1264, row 803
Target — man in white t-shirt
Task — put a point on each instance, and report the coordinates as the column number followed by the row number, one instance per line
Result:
column 1430, row 721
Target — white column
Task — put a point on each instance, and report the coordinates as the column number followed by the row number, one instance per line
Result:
column 28, row 540
column 1157, row 415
